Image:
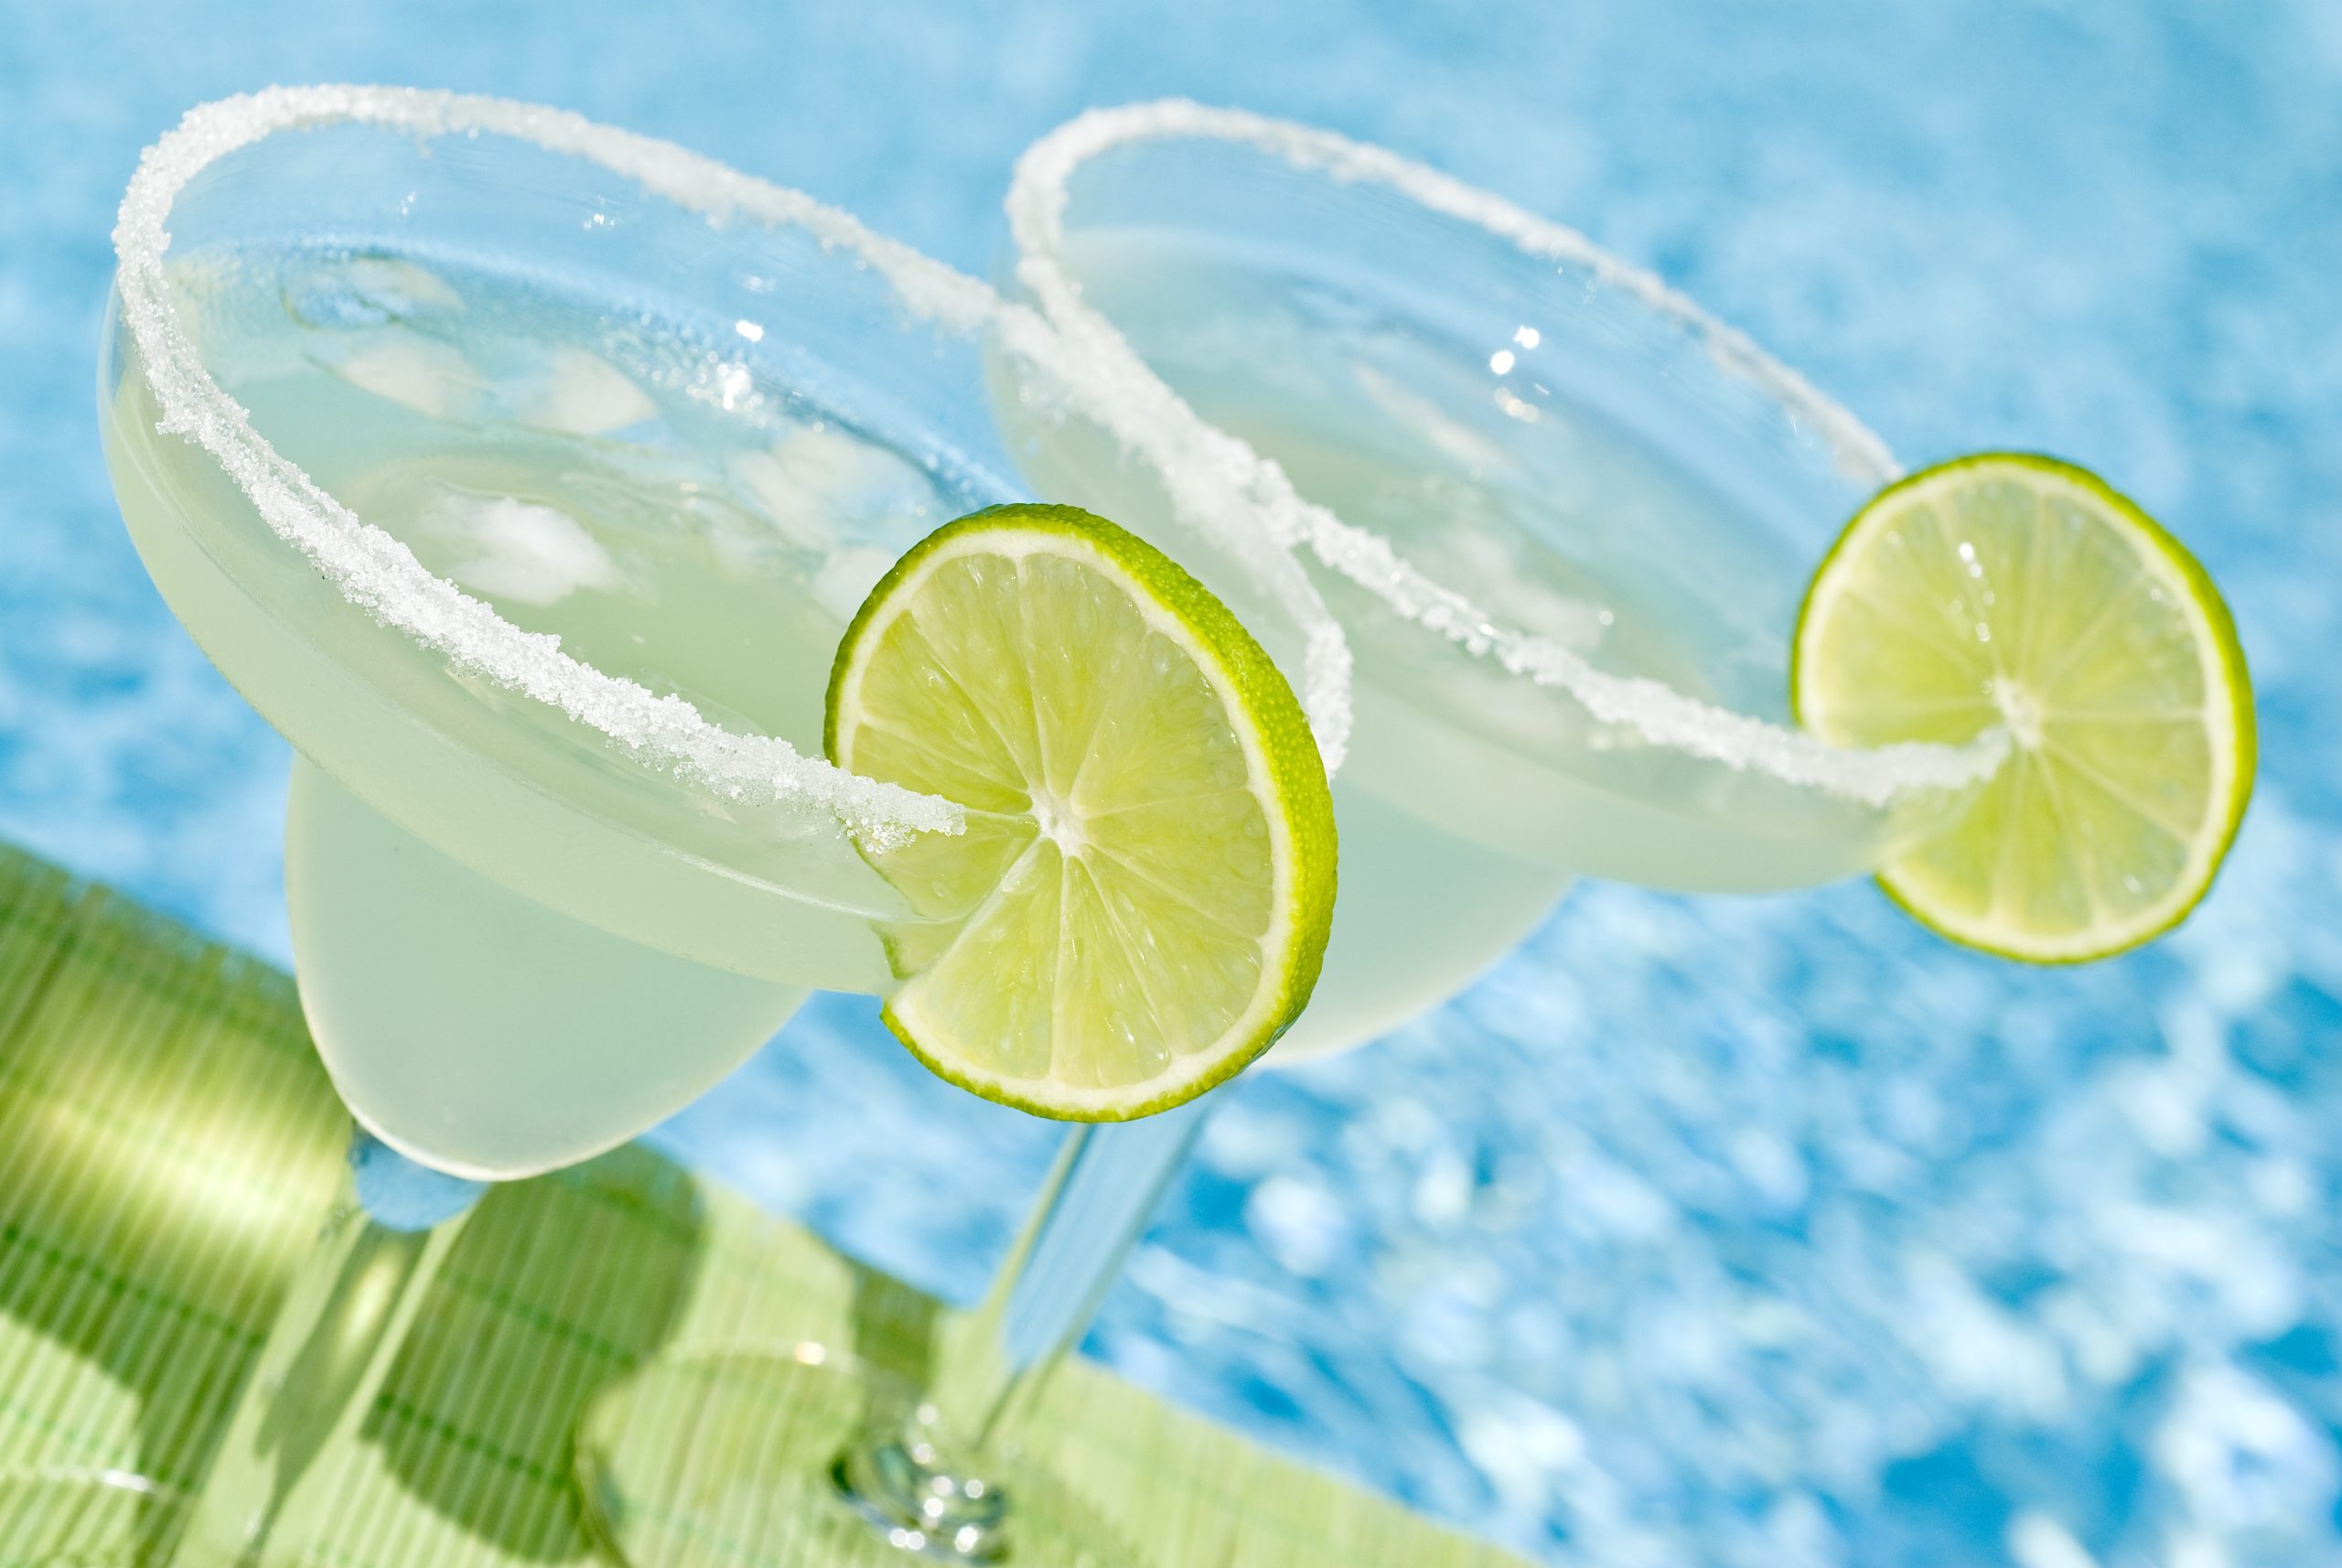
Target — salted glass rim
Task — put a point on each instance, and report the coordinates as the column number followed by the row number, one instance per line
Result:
column 1660, row 713
column 380, row 574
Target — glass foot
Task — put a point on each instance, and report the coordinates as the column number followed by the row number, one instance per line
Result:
column 910, row 1483
column 71, row 1517
column 810, row 1455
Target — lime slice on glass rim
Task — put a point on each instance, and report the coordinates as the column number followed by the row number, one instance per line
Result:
column 2020, row 591
column 1140, row 902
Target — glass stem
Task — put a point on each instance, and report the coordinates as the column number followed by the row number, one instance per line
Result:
column 351, row 1303
column 945, row 1480
column 1095, row 1207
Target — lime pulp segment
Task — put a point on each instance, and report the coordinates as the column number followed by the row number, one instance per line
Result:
column 1139, row 901
column 2013, row 590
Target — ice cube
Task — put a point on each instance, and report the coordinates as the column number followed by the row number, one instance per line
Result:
column 820, row 483
column 422, row 373
column 351, row 292
column 846, row 578
column 780, row 499
column 584, row 394
column 520, row 551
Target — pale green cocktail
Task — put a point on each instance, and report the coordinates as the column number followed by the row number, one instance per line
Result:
column 696, row 530
column 675, row 519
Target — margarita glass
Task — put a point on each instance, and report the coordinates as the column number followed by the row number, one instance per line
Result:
column 524, row 473
column 1554, row 521
column 1563, row 515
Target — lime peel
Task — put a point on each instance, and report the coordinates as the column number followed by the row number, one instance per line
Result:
column 1141, row 901
column 2016, row 592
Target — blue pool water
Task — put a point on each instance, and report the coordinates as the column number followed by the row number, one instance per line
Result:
column 1743, row 1232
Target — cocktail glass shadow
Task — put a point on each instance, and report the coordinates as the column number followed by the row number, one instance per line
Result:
column 343, row 1322
column 171, row 1160
column 814, row 1447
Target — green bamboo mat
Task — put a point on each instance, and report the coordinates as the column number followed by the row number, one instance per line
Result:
column 168, row 1147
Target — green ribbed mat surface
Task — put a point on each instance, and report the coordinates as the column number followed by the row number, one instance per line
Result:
column 168, row 1147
